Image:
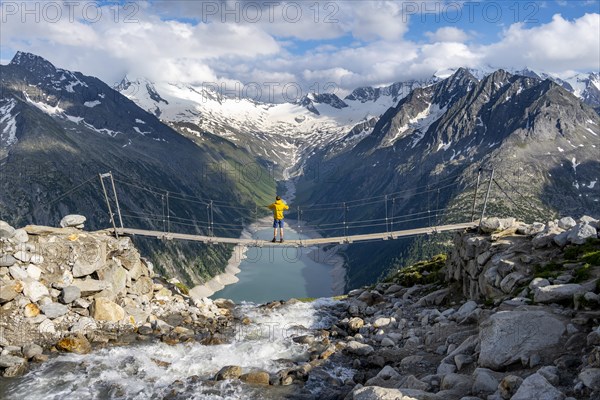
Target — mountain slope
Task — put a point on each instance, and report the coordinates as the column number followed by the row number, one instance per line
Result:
column 61, row 128
column 542, row 141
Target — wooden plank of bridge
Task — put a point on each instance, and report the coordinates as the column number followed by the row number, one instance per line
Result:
column 299, row 243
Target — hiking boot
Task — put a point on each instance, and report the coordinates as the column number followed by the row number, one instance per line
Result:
column 274, row 240
column 281, row 241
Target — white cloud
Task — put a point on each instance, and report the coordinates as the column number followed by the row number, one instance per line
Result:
column 373, row 49
column 556, row 46
column 448, row 34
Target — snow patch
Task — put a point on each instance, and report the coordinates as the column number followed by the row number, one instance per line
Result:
column 591, row 131
column 135, row 128
column 139, row 121
column 560, row 149
column 574, row 164
column 73, row 118
column 592, row 184
column 92, row 104
column 9, row 131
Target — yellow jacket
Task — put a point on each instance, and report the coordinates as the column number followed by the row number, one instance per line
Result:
column 278, row 207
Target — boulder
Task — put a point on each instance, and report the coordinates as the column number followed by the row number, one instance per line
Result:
column 561, row 239
column 34, row 290
column 31, row 310
column 20, row 236
column 464, row 310
column 566, row 223
column 590, row 220
column 355, row 323
column 551, row 373
column 115, row 276
column 31, row 350
column 489, row 225
column 434, row 299
column 69, row 294
column 72, row 220
column 54, row 310
column 90, row 286
column 229, row 372
column 256, row 378
column 538, row 283
column 509, row 385
column 381, row 322
column 6, row 231
column 34, row 272
column 105, row 310
column 360, row 349
column 18, row 273
column 9, row 290
column 7, row 361
column 6, row 260
column 74, row 344
column 484, row 382
column 89, row 258
column 510, row 281
column 143, row 286
column 537, row 387
column 581, row 233
column 379, row 393
column 556, row 293
column 591, row 378
column 507, row 337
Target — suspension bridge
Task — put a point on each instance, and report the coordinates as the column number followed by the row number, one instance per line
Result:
column 390, row 225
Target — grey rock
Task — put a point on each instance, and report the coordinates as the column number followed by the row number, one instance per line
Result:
column 381, row 322
column 18, row 273
column 72, row 220
column 484, row 381
column 31, row 350
column 581, row 233
column 379, row 393
column 8, row 360
column 489, row 225
column 507, row 337
column 460, row 360
column 89, row 259
column 457, row 382
column 509, row 385
column 464, row 310
column 537, row 387
column 229, row 372
column 413, row 382
column 434, row 299
column 510, row 281
column 90, row 286
column 591, row 378
column 538, row 283
column 35, row 290
column 21, row 236
column 8, row 291
column 54, row 310
column 555, row 293
column 69, row 294
column 387, row 342
column 561, row 239
column 359, row 349
column 551, row 373
column 446, row 368
column 6, row 231
column 566, row 223
column 6, row 260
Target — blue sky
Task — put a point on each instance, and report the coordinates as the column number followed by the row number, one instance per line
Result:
column 350, row 43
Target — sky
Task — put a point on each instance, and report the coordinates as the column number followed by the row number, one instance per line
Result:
column 301, row 46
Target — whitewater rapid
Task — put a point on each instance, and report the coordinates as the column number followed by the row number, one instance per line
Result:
column 157, row 370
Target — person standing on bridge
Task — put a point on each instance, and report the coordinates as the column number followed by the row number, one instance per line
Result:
column 278, row 208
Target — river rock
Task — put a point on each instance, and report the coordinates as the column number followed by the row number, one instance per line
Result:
column 31, row 350
column 6, row 231
column 360, row 349
column 256, row 378
column 229, row 372
column 72, row 220
column 507, row 337
column 537, row 387
column 6, row 260
column 381, row 322
column 69, row 294
column 34, row 290
column 355, row 323
column 555, row 293
column 74, row 344
column 54, row 310
column 379, row 393
column 105, row 310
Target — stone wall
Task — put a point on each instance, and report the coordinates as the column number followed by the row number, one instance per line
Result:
column 500, row 260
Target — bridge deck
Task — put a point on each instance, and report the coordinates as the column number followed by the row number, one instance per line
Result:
column 296, row 242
